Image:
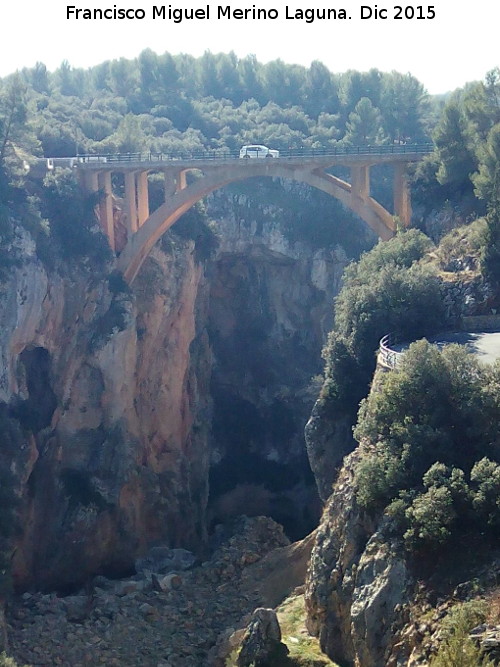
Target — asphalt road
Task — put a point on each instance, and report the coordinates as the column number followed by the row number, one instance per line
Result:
column 486, row 345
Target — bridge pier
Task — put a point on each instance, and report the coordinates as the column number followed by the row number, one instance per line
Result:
column 402, row 197
column 136, row 199
column 90, row 181
column 106, row 207
column 360, row 187
column 130, row 202
column 170, row 184
column 137, row 194
column 360, row 181
column 181, row 180
column 142, row 198
column 94, row 181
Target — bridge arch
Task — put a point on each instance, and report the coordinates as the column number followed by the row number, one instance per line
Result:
column 354, row 196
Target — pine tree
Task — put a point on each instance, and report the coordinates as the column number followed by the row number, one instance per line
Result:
column 457, row 161
column 363, row 126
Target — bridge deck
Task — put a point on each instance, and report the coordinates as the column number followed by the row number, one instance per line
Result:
column 315, row 158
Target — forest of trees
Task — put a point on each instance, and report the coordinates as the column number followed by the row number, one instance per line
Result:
column 164, row 103
column 218, row 102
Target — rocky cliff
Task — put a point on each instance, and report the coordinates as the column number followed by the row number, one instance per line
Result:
column 359, row 587
column 107, row 395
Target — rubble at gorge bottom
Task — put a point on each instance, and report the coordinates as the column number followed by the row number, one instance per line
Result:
column 170, row 620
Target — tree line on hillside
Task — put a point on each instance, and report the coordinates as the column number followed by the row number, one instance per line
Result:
column 464, row 169
column 164, row 103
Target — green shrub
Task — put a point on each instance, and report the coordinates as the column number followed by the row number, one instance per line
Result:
column 468, row 240
column 388, row 290
column 430, row 424
column 380, row 288
column 405, row 301
column 485, row 477
column 403, row 250
column 430, row 516
column 73, row 223
column 345, row 382
column 490, row 259
column 457, row 648
column 378, row 477
column 434, row 407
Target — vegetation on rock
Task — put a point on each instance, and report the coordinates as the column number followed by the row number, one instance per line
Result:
column 388, row 290
column 457, row 648
column 432, row 426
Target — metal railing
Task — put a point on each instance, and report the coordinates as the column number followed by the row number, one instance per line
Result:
column 386, row 356
column 218, row 154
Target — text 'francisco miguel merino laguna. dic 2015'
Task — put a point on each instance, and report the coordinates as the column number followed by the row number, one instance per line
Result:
column 221, row 12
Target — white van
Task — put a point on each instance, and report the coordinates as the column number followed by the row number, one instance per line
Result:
column 257, row 150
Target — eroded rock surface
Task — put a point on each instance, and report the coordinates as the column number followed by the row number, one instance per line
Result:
column 108, row 392
column 357, row 583
column 270, row 311
column 261, row 645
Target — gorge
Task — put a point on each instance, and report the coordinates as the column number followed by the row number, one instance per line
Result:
column 167, row 432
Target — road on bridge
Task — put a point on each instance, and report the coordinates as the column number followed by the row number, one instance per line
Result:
column 342, row 155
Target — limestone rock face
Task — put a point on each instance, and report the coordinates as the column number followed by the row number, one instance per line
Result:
column 123, row 407
column 105, row 395
column 382, row 587
column 328, row 440
column 357, row 584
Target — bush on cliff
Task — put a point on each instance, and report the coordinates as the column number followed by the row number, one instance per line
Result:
column 438, row 405
column 457, row 649
column 72, row 220
column 6, row 661
column 431, row 429
column 388, row 290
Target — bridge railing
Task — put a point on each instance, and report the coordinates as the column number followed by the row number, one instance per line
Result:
column 386, row 355
column 220, row 154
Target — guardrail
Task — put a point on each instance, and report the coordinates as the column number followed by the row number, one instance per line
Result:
column 216, row 154
column 386, row 356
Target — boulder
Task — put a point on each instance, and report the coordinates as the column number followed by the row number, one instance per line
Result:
column 78, row 608
column 261, row 644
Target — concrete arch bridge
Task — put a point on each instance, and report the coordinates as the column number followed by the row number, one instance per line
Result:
column 143, row 228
